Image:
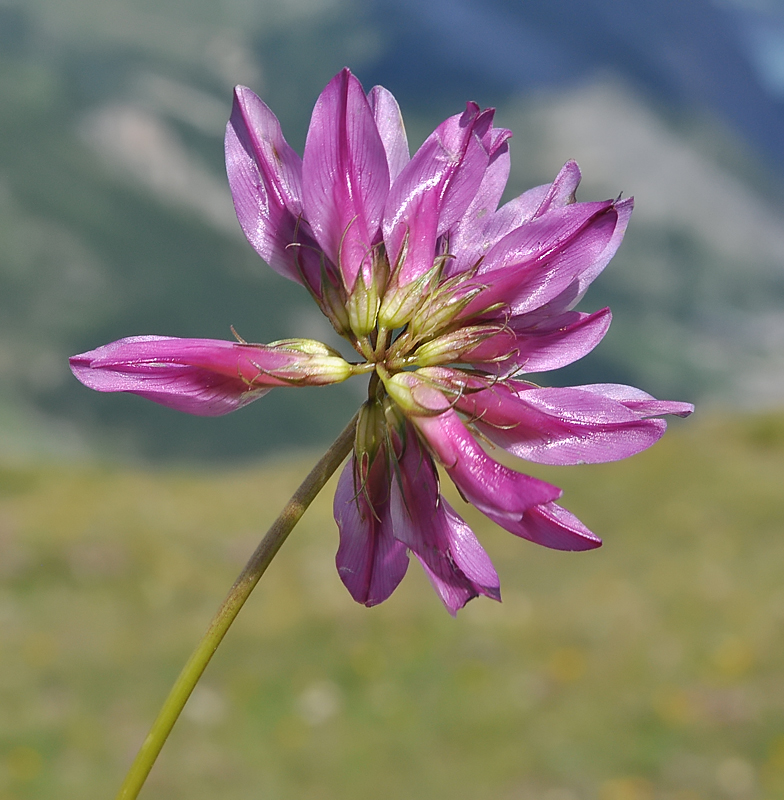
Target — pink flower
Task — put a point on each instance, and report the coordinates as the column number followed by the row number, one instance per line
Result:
column 449, row 301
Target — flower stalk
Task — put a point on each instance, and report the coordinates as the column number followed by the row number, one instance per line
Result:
column 226, row 614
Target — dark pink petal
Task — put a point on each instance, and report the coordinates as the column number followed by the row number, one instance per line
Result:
column 199, row 376
column 540, row 260
column 490, row 486
column 434, row 190
column 552, row 526
column 559, row 426
column 265, row 176
column 454, row 561
column 345, row 177
column 389, row 122
column 370, row 561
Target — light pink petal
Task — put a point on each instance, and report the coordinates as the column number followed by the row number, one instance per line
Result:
column 552, row 526
column 559, row 426
column 466, row 242
column 528, row 347
column 434, row 190
column 638, row 401
column 389, row 122
column 206, row 377
column 370, row 561
column 476, row 239
column 345, row 177
column 563, row 189
column 265, row 177
column 574, row 293
column 454, row 561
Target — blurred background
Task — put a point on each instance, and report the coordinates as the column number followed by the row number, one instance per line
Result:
column 651, row 669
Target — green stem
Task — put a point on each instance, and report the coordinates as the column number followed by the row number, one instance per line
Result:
column 231, row 606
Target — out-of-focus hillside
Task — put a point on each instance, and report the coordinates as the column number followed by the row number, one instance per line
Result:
column 650, row 669
column 115, row 217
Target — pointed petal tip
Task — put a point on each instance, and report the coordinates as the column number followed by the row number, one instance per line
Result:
column 241, row 96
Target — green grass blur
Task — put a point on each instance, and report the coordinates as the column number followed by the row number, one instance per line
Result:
column 651, row 669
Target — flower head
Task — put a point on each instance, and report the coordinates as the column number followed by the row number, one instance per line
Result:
column 449, row 301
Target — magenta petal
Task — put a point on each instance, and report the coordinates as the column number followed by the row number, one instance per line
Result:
column 473, row 241
column 265, row 176
column 560, row 426
column 490, row 486
column 206, row 377
column 466, row 240
column 543, row 258
column 476, row 241
column 623, row 210
column 454, row 561
column 562, row 190
column 552, row 526
column 177, row 373
column 370, row 561
column 433, row 191
column 643, row 404
column 345, row 177
column 572, row 294
column 389, row 122
column 526, row 345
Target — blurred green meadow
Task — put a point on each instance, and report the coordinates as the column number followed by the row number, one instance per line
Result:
column 650, row 669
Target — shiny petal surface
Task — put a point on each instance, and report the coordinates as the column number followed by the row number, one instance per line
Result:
column 265, row 177
column 552, row 526
column 148, row 367
column 454, row 561
column 473, row 241
column 433, row 191
column 389, row 122
column 370, row 561
column 206, row 377
column 574, row 292
column 540, row 260
column 345, row 177
column 527, row 347
column 559, row 426
column 490, row 486
column 638, row 401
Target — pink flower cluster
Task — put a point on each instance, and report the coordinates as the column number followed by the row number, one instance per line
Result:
column 449, row 301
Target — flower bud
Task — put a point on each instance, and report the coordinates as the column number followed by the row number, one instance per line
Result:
column 370, row 434
column 362, row 306
column 318, row 365
column 400, row 303
column 441, row 309
column 414, row 396
column 333, row 304
column 451, row 347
